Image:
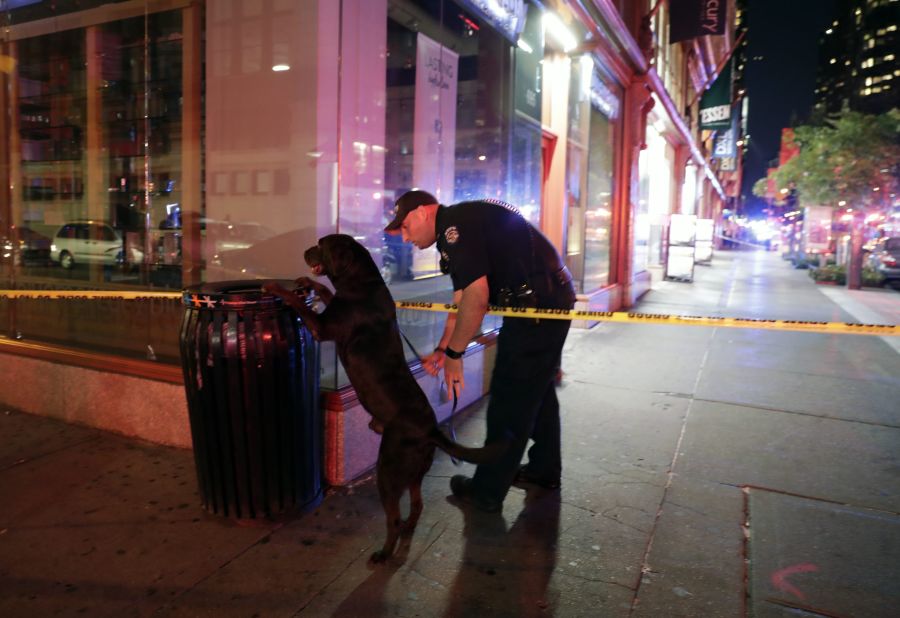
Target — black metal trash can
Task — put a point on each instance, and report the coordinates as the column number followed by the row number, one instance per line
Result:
column 252, row 382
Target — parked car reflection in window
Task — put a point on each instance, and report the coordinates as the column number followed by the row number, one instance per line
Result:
column 93, row 242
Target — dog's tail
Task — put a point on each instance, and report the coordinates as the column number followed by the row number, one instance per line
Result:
column 485, row 454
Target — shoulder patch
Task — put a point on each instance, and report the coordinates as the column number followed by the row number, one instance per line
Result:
column 451, row 234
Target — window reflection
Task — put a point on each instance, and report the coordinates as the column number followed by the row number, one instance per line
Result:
column 446, row 131
column 99, row 130
column 589, row 186
column 163, row 148
column 598, row 208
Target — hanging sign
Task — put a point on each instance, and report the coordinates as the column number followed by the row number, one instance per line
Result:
column 507, row 16
column 715, row 105
column 692, row 18
column 725, row 146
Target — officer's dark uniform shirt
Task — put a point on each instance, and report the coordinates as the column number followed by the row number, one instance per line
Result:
column 491, row 238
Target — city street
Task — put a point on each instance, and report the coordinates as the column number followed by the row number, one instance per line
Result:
column 707, row 472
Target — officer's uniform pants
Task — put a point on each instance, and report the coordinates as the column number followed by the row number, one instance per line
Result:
column 523, row 403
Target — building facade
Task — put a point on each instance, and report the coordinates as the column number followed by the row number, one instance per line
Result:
column 859, row 64
column 150, row 145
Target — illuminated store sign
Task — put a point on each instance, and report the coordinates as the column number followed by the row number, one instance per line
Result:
column 603, row 99
column 507, row 16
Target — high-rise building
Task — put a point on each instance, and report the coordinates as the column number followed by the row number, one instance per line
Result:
column 859, row 66
column 877, row 83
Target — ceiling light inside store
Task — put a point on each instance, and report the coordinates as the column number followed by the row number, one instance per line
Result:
column 281, row 67
column 524, row 46
column 558, row 31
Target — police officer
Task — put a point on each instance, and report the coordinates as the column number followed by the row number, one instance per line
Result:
column 494, row 256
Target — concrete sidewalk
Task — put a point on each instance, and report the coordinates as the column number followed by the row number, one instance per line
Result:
column 708, row 472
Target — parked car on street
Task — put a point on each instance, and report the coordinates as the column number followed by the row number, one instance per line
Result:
column 26, row 246
column 91, row 242
column 885, row 259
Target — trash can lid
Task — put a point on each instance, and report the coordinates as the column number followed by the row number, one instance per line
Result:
column 226, row 295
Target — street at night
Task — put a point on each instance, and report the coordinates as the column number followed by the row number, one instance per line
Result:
column 450, row 308
column 708, row 472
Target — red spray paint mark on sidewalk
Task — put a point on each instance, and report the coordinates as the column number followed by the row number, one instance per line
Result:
column 779, row 578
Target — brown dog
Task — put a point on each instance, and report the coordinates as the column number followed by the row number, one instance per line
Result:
column 360, row 317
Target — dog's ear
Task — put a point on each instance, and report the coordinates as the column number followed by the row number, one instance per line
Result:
column 343, row 256
column 335, row 254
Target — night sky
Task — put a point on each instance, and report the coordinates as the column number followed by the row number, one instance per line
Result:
column 781, row 84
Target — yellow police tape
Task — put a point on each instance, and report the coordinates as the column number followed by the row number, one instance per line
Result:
column 88, row 295
column 837, row 328
column 843, row 328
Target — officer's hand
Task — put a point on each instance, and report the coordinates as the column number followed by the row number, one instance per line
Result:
column 453, row 375
column 303, row 285
column 432, row 363
column 275, row 288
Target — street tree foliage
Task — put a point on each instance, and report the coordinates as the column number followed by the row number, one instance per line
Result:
column 854, row 158
column 761, row 187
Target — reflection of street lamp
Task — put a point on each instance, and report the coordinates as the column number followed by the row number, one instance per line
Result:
column 557, row 29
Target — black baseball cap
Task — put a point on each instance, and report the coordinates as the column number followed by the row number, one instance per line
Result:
column 407, row 203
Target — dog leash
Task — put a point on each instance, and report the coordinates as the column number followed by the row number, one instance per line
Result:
column 455, row 397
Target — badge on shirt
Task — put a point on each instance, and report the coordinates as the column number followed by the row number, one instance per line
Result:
column 451, row 234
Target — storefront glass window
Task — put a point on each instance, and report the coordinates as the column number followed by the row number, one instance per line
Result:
column 526, row 169
column 641, row 216
column 689, row 190
column 448, row 130
column 155, row 145
column 593, row 113
column 598, row 211
column 661, row 154
column 525, row 155
column 92, row 155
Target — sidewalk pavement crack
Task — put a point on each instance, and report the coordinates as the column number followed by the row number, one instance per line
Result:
column 797, row 412
column 784, row 492
column 415, row 561
column 26, row 460
column 579, row 508
column 224, row 564
column 595, row 580
column 350, row 563
column 670, row 475
column 413, row 572
column 619, row 387
column 688, row 508
column 622, row 523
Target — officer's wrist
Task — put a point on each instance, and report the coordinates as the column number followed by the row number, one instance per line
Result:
column 440, row 349
column 451, row 353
